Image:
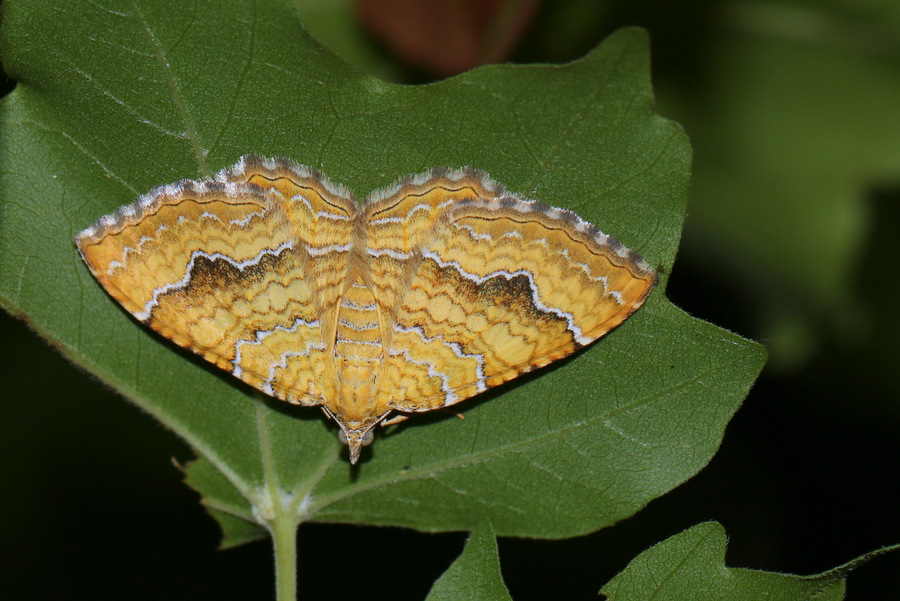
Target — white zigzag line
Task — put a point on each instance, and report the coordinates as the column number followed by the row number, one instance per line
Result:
column 318, row 251
column 615, row 295
column 282, row 363
column 535, row 297
column 457, row 350
column 472, row 233
column 449, row 395
column 349, row 304
column 113, row 265
column 238, row 222
column 332, row 216
column 241, row 265
column 247, row 219
column 394, row 254
column 372, row 325
column 261, row 335
column 384, row 220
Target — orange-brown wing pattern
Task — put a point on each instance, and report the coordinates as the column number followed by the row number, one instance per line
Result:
column 494, row 286
column 321, row 217
column 237, row 270
column 401, row 224
column 437, row 289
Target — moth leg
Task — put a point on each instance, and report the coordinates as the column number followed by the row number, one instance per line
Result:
column 395, row 420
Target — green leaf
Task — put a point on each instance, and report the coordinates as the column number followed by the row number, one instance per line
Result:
column 334, row 23
column 118, row 97
column 225, row 503
column 475, row 574
column 691, row 566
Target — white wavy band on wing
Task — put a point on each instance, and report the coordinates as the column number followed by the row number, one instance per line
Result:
column 261, row 335
column 453, row 346
column 535, row 297
column 240, row 265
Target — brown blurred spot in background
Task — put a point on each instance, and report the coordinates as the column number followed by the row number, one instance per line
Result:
column 446, row 37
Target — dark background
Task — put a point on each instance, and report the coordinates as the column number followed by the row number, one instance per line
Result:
column 94, row 509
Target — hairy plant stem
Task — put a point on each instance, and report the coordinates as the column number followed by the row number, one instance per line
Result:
column 284, row 540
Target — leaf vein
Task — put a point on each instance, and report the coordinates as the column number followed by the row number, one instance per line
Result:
column 175, row 91
column 493, row 453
